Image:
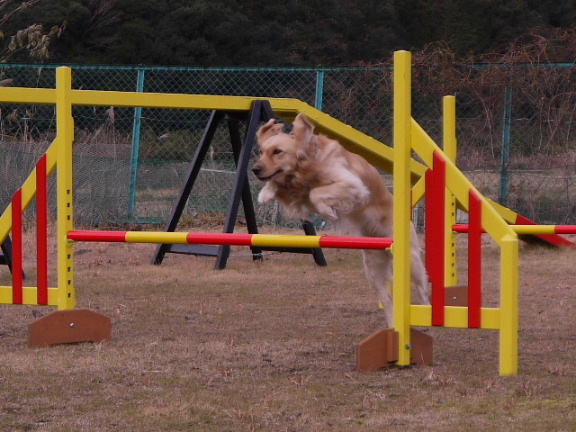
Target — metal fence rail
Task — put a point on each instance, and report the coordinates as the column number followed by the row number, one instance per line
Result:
column 130, row 162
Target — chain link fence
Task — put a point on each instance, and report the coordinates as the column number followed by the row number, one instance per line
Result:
column 130, row 163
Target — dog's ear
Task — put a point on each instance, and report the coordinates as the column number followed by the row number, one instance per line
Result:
column 303, row 129
column 269, row 129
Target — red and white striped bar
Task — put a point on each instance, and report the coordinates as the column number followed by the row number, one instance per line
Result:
column 232, row 239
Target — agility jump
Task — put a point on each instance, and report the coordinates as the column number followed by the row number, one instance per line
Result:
column 444, row 186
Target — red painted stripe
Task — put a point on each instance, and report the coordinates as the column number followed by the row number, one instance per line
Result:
column 220, row 239
column 355, row 242
column 42, row 230
column 475, row 261
column 98, row 236
column 565, row 229
column 17, row 254
column 435, row 230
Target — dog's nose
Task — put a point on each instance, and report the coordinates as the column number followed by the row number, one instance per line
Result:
column 256, row 169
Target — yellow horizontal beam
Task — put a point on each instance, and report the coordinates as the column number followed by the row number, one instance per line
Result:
column 30, row 296
column 27, row 95
column 376, row 152
column 455, row 317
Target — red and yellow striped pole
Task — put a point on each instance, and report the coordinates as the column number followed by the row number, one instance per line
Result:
column 528, row 229
column 232, row 239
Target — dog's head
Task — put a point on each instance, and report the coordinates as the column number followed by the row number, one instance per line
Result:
column 281, row 154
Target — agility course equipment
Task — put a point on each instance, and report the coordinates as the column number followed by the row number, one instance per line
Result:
column 437, row 178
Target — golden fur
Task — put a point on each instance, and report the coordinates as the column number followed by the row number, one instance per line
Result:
column 313, row 173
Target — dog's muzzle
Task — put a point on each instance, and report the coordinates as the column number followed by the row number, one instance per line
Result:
column 257, row 170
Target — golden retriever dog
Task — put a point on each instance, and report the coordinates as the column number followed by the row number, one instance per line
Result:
column 311, row 173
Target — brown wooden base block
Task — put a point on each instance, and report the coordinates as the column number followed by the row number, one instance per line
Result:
column 456, row 295
column 69, row 326
column 377, row 351
column 422, row 348
column 380, row 350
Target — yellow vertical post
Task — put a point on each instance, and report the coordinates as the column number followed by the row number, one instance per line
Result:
column 451, row 151
column 65, row 137
column 509, row 310
column 402, row 201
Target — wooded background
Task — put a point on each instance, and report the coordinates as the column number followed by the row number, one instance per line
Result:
column 276, row 33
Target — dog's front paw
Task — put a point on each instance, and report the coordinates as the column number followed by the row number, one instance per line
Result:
column 326, row 211
column 267, row 194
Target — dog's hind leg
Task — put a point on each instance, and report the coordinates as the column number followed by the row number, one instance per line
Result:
column 378, row 268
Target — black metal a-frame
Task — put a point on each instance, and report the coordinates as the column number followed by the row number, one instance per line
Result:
column 6, row 253
column 242, row 150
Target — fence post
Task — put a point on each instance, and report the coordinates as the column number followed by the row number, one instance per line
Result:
column 135, row 148
column 319, row 100
column 506, row 138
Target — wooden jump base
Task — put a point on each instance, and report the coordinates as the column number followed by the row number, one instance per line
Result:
column 69, row 326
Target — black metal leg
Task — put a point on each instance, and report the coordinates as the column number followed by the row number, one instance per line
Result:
column 318, row 255
column 241, row 178
column 191, row 175
column 6, row 255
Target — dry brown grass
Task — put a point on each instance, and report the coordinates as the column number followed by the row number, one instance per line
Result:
column 270, row 346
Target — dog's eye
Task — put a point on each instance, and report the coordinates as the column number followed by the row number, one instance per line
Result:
column 277, row 151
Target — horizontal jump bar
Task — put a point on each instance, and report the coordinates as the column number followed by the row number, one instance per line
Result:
column 263, row 240
column 529, row 229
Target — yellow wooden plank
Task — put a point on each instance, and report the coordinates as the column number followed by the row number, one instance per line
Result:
column 402, row 201
column 64, row 185
column 509, row 216
column 376, row 152
column 450, row 147
column 509, row 290
column 27, row 95
column 455, row 317
column 30, row 295
column 421, row 316
column 418, row 190
column 491, row 318
column 5, row 223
